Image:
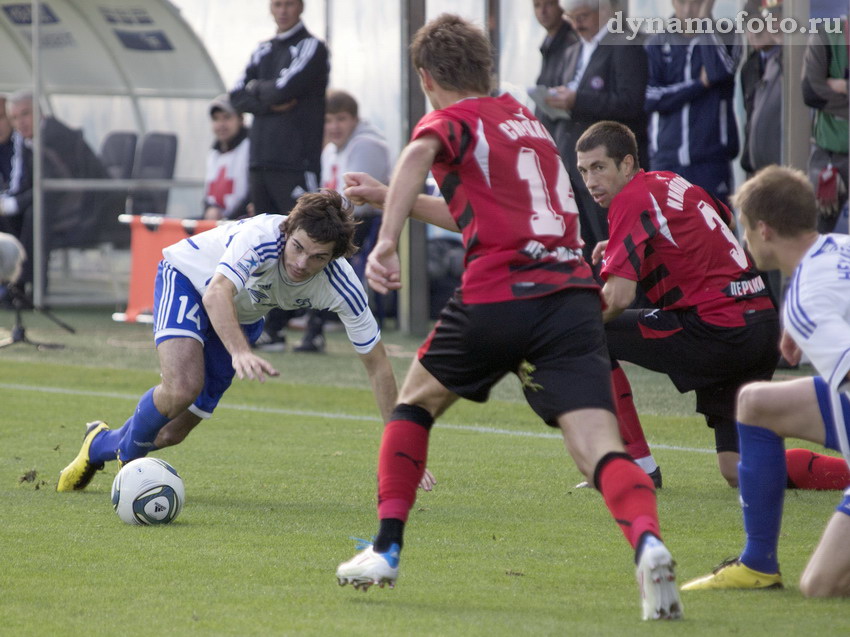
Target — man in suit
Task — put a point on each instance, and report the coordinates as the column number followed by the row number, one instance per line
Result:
column 604, row 78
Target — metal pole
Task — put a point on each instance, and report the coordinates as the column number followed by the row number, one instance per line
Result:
column 38, row 194
column 796, row 118
column 494, row 19
column 414, row 294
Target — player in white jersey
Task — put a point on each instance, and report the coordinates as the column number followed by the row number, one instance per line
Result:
column 779, row 216
column 212, row 292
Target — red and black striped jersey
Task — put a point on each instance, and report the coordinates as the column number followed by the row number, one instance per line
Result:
column 506, row 187
column 672, row 238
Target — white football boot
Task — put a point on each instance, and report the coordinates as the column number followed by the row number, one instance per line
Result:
column 656, row 579
column 368, row 567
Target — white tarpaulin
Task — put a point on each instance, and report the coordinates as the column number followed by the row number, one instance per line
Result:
column 116, row 47
column 116, row 65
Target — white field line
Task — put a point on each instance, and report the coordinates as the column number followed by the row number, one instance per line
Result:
column 320, row 414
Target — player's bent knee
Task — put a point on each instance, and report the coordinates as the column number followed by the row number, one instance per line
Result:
column 751, row 405
column 814, row 584
column 178, row 395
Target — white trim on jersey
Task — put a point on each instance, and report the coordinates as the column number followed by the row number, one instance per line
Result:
column 249, row 254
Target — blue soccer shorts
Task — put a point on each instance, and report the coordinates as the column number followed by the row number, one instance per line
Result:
column 179, row 312
column 831, row 425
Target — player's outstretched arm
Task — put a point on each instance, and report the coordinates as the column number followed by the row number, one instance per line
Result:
column 383, row 268
column 362, row 188
column 218, row 302
column 381, row 378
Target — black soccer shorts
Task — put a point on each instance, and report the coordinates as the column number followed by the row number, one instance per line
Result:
column 714, row 361
column 555, row 344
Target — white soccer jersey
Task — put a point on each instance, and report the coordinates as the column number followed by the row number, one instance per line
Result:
column 817, row 316
column 249, row 252
column 817, row 308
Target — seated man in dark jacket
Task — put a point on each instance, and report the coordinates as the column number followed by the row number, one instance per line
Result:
column 70, row 217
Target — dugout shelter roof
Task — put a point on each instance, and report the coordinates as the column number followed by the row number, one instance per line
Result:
column 108, row 65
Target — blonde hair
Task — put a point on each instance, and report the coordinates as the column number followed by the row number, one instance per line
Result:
column 780, row 196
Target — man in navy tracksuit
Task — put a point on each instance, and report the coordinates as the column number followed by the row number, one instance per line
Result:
column 690, row 96
column 284, row 87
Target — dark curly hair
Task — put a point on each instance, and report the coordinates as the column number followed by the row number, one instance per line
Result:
column 326, row 218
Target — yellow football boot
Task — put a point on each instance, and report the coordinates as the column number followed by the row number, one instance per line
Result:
column 732, row 574
column 79, row 473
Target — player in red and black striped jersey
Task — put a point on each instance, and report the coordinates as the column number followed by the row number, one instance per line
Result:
column 510, row 196
column 674, row 239
column 528, row 303
column 713, row 325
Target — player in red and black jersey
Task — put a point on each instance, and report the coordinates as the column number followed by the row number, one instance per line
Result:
column 528, row 303
column 713, row 326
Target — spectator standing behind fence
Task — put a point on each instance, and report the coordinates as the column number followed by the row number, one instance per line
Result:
column 284, row 87
column 226, row 185
column 603, row 77
column 761, row 85
column 560, row 34
column 65, row 154
column 690, row 95
column 354, row 145
column 6, row 146
column 825, row 90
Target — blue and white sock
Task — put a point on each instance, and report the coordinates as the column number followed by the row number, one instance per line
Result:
column 141, row 430
column 762, row 476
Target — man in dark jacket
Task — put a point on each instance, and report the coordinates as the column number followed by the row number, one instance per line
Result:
column 70, row 216
column 602, row 76
column 284, row 87
column 6, row 146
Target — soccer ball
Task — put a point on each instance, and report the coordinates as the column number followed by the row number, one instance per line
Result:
column 147, row 491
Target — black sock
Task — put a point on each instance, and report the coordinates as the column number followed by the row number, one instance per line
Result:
column 390, row 532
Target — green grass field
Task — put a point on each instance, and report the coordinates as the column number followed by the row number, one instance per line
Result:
column 284, row 473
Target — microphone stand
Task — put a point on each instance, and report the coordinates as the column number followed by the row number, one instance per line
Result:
column 20, row 301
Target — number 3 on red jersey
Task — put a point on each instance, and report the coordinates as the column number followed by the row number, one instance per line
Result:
column 545, row 220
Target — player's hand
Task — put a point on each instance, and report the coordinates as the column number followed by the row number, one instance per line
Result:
column 599, row 252
column 383, row 268
column 428, row 481
column 362, row 189
column 249, row 365
column 790, row 351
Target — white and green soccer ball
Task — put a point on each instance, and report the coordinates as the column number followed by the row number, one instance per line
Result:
column 148, row 491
